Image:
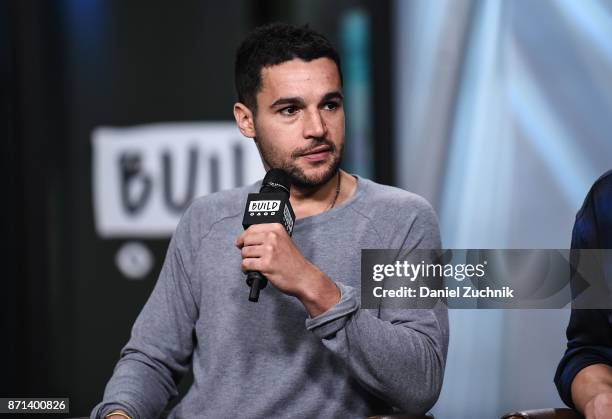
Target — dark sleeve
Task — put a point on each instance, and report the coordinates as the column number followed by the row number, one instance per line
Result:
column 589, row 342
column 589, row 333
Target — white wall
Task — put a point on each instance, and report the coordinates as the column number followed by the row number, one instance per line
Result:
column 503, row 124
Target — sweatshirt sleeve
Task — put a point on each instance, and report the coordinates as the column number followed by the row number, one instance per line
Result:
column 159, row 350
column 397, row 354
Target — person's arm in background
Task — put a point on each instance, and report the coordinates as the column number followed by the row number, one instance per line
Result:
column 584, row 375
column 161, row 345
column 592, row 391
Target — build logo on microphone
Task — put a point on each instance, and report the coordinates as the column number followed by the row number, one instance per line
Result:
column 265, row 206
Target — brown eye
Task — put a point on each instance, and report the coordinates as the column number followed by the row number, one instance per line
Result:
column 330, row 106
column 289, row 110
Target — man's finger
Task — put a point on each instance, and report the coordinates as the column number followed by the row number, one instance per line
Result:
column 259, row 228
column 250, row 264
column 255, row 251
column 249, row 238
column 254, row 239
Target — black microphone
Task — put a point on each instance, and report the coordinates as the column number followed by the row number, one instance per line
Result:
column 270, row 205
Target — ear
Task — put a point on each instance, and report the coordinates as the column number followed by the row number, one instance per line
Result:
column 244, row 119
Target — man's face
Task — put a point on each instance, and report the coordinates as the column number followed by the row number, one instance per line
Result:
column 299, row 124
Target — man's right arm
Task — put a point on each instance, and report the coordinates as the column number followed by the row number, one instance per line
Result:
column 161, row 344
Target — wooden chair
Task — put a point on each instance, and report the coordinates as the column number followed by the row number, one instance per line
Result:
column 562, row 413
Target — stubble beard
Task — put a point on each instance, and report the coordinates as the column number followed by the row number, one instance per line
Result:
column 297, row 175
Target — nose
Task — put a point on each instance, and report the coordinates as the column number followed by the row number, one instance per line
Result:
column 314, row 125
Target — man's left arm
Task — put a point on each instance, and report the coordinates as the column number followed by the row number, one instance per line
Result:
column 399, row 355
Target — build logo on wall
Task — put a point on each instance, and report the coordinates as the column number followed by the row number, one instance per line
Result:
column 145, row 176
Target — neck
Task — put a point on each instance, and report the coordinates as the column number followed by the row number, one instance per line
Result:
column 313, row 201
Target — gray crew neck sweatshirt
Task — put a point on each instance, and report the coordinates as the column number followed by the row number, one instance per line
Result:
column 270, row 359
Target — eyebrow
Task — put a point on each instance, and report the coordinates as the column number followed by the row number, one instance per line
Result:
column 296, row 100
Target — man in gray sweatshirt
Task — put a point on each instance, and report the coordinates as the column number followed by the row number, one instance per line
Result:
column 306, row 349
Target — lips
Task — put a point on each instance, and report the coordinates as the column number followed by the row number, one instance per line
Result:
column 317, row 150
column 317, row 154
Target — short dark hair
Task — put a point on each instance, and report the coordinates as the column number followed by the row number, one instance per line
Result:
column 274, row 44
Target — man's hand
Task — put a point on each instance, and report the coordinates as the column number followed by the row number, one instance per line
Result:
column 592, row 391
column 599, row 407
column 267, row 248
column 117, row 414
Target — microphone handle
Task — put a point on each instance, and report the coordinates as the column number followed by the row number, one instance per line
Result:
column 257, row 282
